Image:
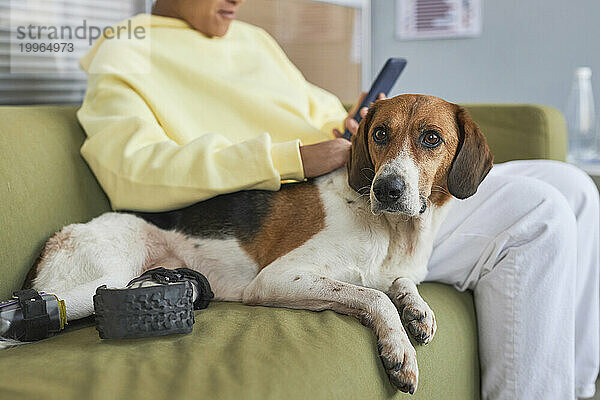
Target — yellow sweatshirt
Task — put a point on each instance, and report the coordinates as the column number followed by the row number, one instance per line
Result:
column 209, row 115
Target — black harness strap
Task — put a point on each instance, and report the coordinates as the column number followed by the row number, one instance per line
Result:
column 35, row 316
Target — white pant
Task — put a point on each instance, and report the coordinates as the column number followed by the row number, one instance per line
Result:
column 526, row 244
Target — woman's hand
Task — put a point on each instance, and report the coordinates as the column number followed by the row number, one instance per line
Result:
column 350, row 123
column 322, row 158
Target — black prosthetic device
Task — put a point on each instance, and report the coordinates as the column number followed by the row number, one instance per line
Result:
column 159, row 302
column 32, row 316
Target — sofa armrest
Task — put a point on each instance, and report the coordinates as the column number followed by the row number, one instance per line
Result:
column 522, row 131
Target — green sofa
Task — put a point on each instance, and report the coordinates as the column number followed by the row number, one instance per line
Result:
column 235, row 351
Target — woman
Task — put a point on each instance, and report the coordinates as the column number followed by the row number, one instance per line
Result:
column 222, row 109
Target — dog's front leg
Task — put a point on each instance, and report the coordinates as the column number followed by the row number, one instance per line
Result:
column 312, row 291
column 416, row 314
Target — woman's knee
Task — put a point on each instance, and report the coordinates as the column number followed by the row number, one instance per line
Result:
column 546, row 206
column 574, row 184
column 581, row 191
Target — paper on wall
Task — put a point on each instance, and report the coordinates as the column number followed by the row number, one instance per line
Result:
column 427, row 19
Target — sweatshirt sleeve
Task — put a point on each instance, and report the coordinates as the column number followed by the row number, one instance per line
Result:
column 326, row 110
column 141, row 168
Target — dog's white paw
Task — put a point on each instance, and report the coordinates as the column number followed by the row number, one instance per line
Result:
column 400, row 361
column 419, row 320
column 416, row 315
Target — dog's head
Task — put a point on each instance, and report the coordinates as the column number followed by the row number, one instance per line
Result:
column 414, row 150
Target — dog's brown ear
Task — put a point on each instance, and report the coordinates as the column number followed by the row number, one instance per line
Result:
column 473, row 158
column 360, row 166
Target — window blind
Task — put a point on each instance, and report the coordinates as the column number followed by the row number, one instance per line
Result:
column 43, row 77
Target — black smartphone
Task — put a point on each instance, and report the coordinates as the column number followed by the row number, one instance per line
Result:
column 384, row 82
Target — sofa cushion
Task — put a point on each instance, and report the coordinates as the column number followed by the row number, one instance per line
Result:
column 522, row 131
column 44, row 185
column 242, row 352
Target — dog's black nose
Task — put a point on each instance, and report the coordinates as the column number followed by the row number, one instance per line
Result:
column 388, row 190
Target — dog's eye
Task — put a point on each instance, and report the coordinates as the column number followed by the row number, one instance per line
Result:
column 431, row 139
column 380, row 135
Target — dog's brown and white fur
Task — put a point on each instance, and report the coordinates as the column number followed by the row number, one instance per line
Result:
column 325, row 244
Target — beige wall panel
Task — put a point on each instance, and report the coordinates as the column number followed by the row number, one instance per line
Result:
column 317, row 37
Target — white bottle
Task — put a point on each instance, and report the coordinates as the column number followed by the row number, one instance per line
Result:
column 581, row 119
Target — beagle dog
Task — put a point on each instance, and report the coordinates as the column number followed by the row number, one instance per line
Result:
column 356, row 241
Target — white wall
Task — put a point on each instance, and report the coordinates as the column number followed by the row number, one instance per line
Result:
column 526, row 54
